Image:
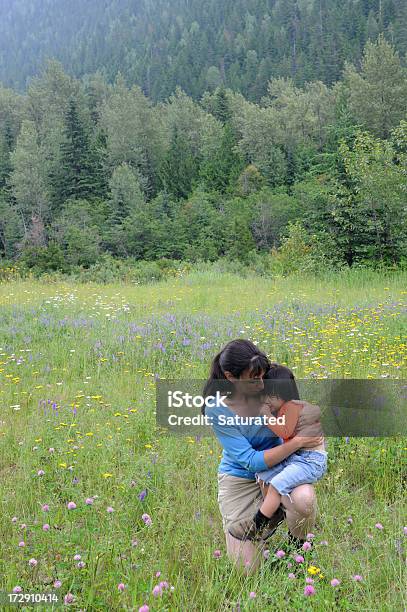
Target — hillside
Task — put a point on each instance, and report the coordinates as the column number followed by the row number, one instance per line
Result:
column 160, row 44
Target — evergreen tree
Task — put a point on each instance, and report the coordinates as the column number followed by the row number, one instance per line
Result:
column 222, row 169
column 77, row 176
column 220, row 107
column 179, row 168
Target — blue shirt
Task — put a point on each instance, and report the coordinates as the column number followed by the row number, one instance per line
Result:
column 243, row 445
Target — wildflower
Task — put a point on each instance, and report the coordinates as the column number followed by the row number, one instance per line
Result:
column 134, row 543
column 45, row 508
column 310, row 536
column 81, row 564
column 68, row 599
column 291, row 576
column 299, row 559
column 217, row 554
column 142, row 495
column 46, row 527
column 33, row 562
column 51, row 450
column 71, row 505
column 57, row 584
column 357, row 578
column 110, row 509
column 306, row 546
column 157, row 590
column 157, row 574
column 163, row 584
column 14, row 519
column 121, row 586
column 309, row 590
column 379, row 526
column 309, row 580
column 280, row 554
column 335, row 582
column 252, row 594
column 17, row 589
column 405, row 530
column 40, row 472
column 89, row 501
column 350, row 520
column 147, row 519
column 324, row 543
column 77, row 558
column 144, row 608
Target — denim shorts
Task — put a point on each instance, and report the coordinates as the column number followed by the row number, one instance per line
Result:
column 304, row 466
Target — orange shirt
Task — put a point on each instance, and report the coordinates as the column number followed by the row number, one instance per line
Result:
column 291, row 411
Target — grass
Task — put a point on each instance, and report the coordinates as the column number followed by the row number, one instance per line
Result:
column 78, row 365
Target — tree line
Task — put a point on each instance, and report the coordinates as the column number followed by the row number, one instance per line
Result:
column 88, row 167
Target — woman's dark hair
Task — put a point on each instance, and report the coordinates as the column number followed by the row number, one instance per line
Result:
column 280, row 381
column 235, row 357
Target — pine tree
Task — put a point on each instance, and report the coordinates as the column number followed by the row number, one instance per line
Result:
column 220, row 107
column 179, row 167
column 77, row 176
column 223, row 168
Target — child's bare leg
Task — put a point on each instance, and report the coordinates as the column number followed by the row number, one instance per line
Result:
column 271, row 501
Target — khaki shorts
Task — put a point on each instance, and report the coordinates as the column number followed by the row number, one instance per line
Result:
column 238, row 498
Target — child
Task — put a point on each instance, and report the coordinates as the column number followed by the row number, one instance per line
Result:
column 304, row 466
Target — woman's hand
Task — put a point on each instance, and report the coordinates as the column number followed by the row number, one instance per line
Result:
column 307, row 441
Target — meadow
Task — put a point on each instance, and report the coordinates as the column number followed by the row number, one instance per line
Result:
column 103, row 508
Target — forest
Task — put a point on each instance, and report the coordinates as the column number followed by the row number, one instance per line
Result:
column 159, row 44
column 311, row 174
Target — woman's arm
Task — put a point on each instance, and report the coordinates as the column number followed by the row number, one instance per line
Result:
column 239, row 447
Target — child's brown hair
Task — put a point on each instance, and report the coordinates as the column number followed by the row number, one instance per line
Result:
column 280, row 381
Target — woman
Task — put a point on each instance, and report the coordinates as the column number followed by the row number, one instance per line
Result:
column 238, row 371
